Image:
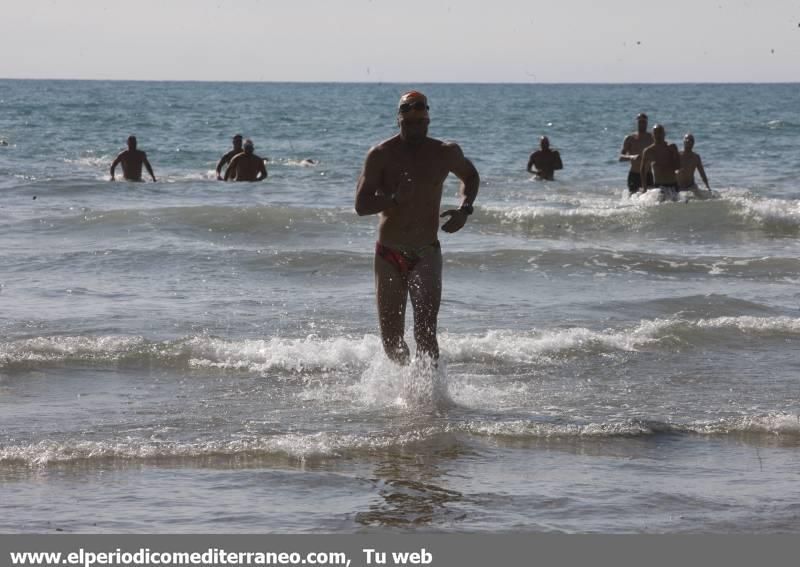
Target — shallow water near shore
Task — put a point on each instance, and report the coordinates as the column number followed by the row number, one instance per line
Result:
column 192, row 356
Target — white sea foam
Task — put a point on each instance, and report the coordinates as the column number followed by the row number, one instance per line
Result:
column 317, row 354
column 91, row 161
column 420, row 386
column 309, row 353
column 769, row 211
column 531, row 212
column 62, row 348
column 333, row 444
column 291, row 445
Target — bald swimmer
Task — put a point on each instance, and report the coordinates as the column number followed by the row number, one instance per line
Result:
column 246, row 166
column 664, row 159
column 690, row 162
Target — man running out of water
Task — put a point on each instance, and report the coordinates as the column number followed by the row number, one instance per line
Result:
column 632, row 148
column 246, row 166
column 545, row 160
column 690, row 162
column 237, row 149
column 132, row 161
column 402, row 183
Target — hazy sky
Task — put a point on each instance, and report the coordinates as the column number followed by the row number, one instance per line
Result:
column 403, row 41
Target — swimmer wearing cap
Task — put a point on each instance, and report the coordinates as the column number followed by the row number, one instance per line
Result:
column 402, row 182
column 246, row 166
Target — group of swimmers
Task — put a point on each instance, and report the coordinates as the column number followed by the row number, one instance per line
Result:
column 654, row 162
column 243, row 163
column 657, row 164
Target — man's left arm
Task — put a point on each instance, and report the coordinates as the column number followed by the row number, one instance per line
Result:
column 148, row 166
column 644, row 167
column 558, row 164
column 462, row 168
column 262, row 170
column 675, row 155
column 702, row 172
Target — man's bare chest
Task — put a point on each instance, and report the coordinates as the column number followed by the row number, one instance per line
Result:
column 427, row 171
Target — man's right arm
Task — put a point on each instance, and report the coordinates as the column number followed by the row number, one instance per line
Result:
column 368, row 202
column 222, row 161
column 114, row 165
column 530, row 164
column 231, row 168
column 625, row 152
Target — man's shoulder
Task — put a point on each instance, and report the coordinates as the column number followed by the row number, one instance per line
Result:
column 444, row 144
column 386, row 144
column 447, row 147
column 383, row 149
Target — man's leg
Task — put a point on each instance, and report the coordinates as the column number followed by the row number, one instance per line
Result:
column 425, row 287
column 634, row 181
column 391, row 290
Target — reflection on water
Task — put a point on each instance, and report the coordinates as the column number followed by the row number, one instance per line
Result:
column 413, row 491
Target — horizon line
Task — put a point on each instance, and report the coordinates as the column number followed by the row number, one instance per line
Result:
column 337, row 82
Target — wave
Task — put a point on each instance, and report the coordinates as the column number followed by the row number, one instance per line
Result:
column 303, row 446
column 771, row 424
column 568, row 218
column 204, row 219
column 316, row 261
column 769, row 213
column 782, row 125
column 732, row 213
column 318, row 354
column 598, row 260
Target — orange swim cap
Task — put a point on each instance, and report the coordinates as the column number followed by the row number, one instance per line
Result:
column 412, row 94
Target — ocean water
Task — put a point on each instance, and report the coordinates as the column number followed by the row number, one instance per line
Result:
column 193, row 356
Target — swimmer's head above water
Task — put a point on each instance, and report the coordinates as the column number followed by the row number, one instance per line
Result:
column 641, row 122
column 659, row 133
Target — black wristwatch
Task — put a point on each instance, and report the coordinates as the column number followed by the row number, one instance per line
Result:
column 466, row 208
